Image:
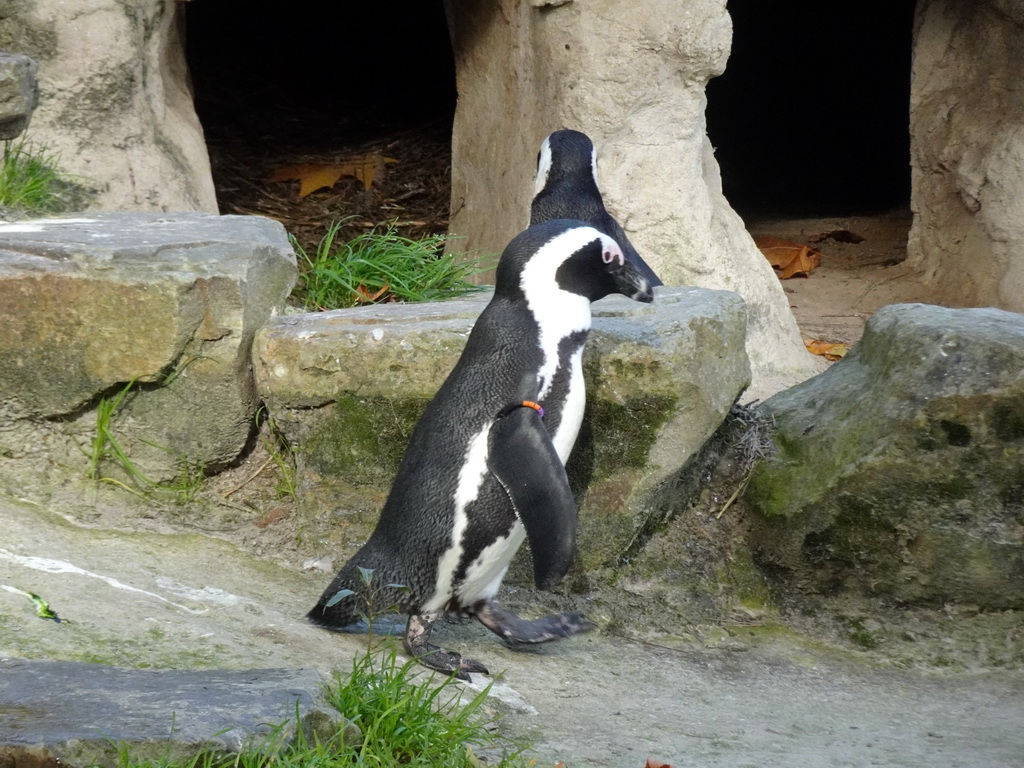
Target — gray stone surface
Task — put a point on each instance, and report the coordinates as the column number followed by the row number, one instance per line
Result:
column 81, row 714
column 347, row 387
column 900, row 470
column 170, row 302
column 19, row 93
column 701, row 697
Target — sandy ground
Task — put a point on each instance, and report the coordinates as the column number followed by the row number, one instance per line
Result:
column 854, row 280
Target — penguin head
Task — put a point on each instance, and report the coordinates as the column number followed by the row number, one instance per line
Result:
column 567, row 257
column 563, row 155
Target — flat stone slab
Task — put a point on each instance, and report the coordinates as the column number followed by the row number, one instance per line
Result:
column 167, row 303
column 348, row 386
column 79, row 713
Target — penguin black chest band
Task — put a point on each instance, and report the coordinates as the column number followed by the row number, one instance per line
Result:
column 524, row 404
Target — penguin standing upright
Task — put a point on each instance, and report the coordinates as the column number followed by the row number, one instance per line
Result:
column 566, row 188
column 484, row 468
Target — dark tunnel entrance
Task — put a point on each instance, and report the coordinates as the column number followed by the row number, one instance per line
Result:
column 322, row 83
column 811, row 117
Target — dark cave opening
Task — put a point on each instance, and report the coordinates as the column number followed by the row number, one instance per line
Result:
column 811, row 117
column 318, row 82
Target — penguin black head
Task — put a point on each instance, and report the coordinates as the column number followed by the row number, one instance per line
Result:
column 566, row 154
column 564, row 258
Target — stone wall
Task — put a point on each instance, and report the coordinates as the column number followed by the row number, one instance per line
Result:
column 632, row 77
column 967, row 147
column 114, row 100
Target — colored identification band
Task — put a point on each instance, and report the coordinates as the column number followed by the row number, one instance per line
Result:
column 536, row 406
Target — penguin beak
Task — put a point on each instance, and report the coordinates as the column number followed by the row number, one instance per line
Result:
column 630, row 282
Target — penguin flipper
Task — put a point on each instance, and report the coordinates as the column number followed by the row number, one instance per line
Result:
column 523, row 459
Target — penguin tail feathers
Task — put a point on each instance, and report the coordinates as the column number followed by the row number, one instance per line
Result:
column 333, row 618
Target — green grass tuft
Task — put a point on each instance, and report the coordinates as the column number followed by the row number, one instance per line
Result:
column 31, row 181
column 405, row 717
column 381, row 266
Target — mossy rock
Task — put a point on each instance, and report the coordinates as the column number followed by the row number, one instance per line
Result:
column 900, row 470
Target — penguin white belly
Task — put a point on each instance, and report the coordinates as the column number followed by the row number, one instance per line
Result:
column 572, row 411
column 471, row 477
column 484, row 575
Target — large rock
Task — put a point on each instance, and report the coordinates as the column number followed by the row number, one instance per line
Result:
column 900, row 470
column 967, row 152
column 347, row 387
column 632, row 76
column 167, row 303
column 19, row 93
column 76, row 714
column 115, row 102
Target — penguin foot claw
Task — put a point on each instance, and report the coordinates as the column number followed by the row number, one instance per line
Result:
column 450, row 663
column 516, row 631
column 429, row 655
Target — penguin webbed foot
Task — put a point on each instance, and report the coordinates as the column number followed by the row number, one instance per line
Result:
column 518, row 631
column 417, row 644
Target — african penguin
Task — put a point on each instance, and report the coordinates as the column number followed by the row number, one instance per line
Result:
column 566, row 188
column 484, row 468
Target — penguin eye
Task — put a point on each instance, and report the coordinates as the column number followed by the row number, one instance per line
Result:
column 610, row 255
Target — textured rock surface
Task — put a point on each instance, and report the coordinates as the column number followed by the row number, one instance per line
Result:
column 80, row 714
column 967, row 152
column 115, row 103
column 632, row 77
column 19, row 93
column 188, row 601
column 170, row 302
column 900, row 471
column 347, row 387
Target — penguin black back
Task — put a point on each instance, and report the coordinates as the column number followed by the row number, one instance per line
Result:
column 566, row 188
column 484, row 468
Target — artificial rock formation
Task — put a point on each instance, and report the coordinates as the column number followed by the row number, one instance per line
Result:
column 967, row 152
column 114, row 103
column 19, row 93
column 347, row 387
column 900, row 470
column 154, row 311
column 632, row 77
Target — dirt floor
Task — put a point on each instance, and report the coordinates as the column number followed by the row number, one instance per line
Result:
column 861, row 270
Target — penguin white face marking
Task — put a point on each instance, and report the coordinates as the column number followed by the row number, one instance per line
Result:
column 543, row 167
column 471, row 477
column 593, row 165
column 558, row 312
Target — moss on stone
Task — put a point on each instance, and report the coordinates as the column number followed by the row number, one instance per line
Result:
column 615, row 435
column 363, row 439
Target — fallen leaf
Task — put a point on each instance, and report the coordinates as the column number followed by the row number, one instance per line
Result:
column 788, row 259
column 314, row 176
column 271, row 517
column 828, row 349
column 365, row 297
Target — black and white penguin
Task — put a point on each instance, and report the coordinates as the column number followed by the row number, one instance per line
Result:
column 484, row 468
column 566, row 188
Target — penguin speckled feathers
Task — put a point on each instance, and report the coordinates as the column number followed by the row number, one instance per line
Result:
column 484, row 468
column 566, row 188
